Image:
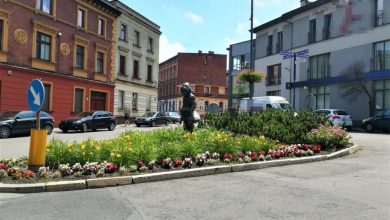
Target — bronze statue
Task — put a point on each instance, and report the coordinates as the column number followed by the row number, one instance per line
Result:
column 188, row 108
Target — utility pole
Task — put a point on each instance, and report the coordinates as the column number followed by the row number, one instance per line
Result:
column 252, row 57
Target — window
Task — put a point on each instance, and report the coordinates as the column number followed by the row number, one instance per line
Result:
column 273, row 93
column 78, row 100
column 321, row 96
column 382, row 94
column 273, row 75
column 122, row 65
column 269, row 46
column 136, row 38
column 148, row 103
column 80, row 57
column 319, row 67
column 279, row 44
column 100, row 62
column 150, row 72
column 123, row 33
column 206, row 106
column 102, row 27
column 45, row 6
column 43, row 46
column 312, row 31
column 121, row 99
column 379, row 12
column 81, row 21
column 46, row 103
column 150, row 44
column 382, row 56
column 327, row 25
column 206, row 89
column 134, row 101
column 220, row 106
column 135, row 69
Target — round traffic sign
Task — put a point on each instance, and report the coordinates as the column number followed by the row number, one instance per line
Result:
column 35, row 95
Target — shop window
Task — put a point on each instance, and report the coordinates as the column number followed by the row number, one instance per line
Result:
column 321, row 96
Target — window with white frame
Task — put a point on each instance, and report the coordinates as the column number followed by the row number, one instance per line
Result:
column 45, row 6
column 321, row 96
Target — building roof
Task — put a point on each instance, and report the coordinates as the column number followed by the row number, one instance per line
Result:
column 107, row 6
column 291, row 14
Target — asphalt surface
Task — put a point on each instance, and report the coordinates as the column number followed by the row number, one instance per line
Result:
column 352, row 187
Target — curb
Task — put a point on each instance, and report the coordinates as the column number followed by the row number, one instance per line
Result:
column 169, row 175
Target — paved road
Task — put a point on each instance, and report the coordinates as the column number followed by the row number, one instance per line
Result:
column 353, row 187
column 19, row 146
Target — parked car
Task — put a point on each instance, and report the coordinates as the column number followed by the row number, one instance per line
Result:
column 152, row 119
column 380, row 121
column 21, row 122
column 196, row 116
column 174, row 117
column 263, row 103
column 89, row 121
column 337, row 117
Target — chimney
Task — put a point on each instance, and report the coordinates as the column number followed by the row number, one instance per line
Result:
column 199, row 52
column 211, row 52
column 304, row 2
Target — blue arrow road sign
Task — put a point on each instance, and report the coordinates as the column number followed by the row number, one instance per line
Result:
column 35, row 95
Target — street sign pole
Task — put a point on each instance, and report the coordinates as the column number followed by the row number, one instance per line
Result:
column 37, row 116
column 294, row 77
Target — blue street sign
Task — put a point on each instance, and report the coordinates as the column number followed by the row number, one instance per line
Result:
column 35, row 95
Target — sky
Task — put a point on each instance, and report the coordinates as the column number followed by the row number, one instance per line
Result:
column 207, row 25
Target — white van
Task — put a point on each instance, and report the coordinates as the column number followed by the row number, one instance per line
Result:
column 262, row 103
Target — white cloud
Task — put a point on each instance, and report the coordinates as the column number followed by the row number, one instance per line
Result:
column 168, row 49
column 194, row 18
column 267, row 3
column 242, row 28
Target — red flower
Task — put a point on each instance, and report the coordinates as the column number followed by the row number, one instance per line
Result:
column 227, row 156
column 276, row 154
column 140, row 164
column 317, row 149
column 253, row 156
column 270, row 152
column 261, row 152
column 241, row 155
column 28, row 174
column 3, row 166
column 110, row 168
column 177, row 163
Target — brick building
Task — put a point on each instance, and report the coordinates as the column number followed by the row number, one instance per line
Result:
column 206, row 73
column 66, row 44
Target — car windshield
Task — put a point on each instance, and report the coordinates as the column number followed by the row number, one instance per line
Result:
column 9, row 114
column 173, row 114
column 379, row 113
column 149, row 114
column 285, row 106
column 340, row 112
column 85, row 114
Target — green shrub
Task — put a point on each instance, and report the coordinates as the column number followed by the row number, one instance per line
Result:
column 168, row 149
column 329, row 137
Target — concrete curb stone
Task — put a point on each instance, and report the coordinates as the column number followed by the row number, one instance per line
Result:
column 143, row 178
column 153, row 177
column 109, row 181
column 65, row 186
column 22, row 188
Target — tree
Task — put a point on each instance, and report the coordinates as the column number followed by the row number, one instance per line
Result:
column 355, row 85
column 251, row 77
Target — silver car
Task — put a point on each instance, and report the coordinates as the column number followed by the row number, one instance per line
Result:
column 338, row 117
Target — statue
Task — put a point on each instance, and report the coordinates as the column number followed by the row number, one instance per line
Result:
column 188, row 108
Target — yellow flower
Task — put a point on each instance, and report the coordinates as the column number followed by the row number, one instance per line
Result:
column 70, row 150
column 118, row 155
column 83, row 146
column 97, row 148
column 83, row 153
column 69, row 145
column 112, row 154
column 90, row 153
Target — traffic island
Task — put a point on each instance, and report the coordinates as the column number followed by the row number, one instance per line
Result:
column 167, row 175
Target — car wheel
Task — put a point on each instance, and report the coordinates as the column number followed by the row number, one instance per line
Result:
column 94, row 129
column 153, row 124
column 5, row 132
column 349, row 128
column 369, row 128
column 49, row 129
column 112, row 126
column 84, row 128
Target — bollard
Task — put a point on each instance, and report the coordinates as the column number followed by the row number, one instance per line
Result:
column 38, row 145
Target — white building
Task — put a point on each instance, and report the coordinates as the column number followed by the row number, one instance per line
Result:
column 137, row 63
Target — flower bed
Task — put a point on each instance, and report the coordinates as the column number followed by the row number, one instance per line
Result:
column 133, row 153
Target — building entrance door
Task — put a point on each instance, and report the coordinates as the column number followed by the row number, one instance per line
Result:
column 98, row 101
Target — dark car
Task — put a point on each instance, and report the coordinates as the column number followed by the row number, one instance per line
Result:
column 21, row 122
column 89, row 121
column 380, row 121
column 152, row 119
column 174, row 117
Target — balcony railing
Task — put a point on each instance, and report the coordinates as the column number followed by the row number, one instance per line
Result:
column 319, row 72
column 379, row 18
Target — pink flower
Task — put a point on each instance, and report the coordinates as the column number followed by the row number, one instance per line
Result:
column 227, row 156
column 3, row 166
